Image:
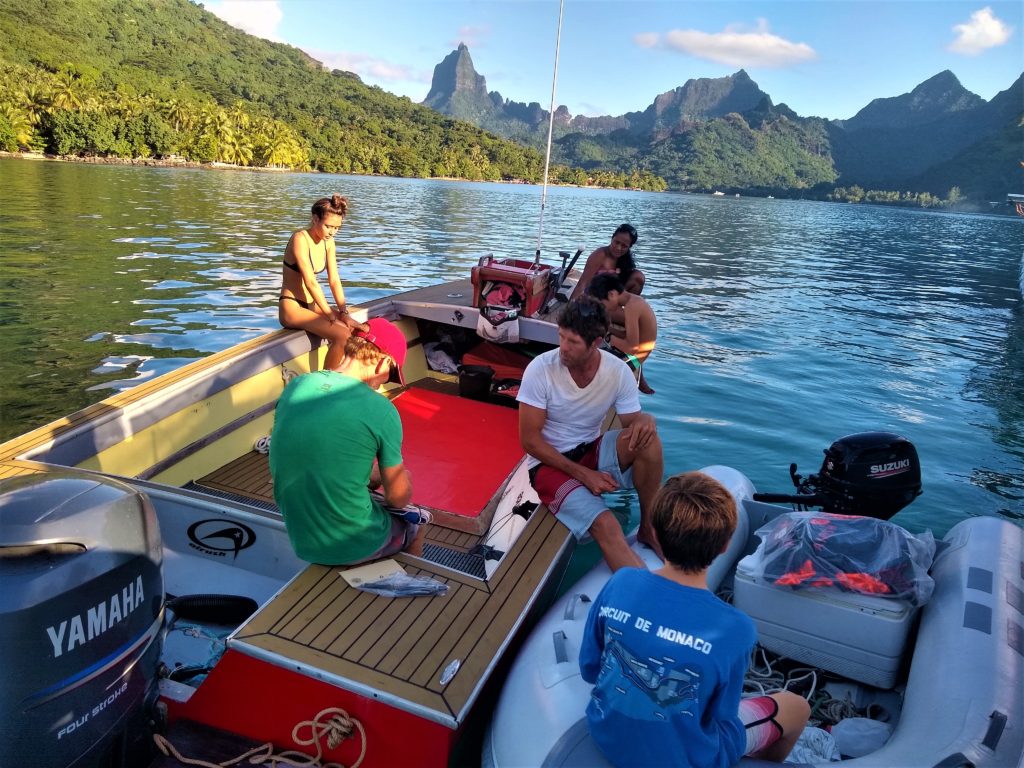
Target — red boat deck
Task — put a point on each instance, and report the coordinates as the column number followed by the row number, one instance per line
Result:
column 459, row 451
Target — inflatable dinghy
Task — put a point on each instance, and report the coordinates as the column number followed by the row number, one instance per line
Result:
column 953, row 693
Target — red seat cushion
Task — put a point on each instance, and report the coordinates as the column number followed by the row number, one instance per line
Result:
column 459, row 451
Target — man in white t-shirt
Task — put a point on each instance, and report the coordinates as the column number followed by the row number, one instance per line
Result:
column 563, row 400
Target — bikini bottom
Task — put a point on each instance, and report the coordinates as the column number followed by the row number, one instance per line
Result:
column 303, row 304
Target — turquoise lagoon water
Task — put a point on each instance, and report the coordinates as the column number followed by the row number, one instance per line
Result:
column 784, row 324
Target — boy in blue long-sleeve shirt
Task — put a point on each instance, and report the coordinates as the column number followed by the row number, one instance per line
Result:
column 668, row 657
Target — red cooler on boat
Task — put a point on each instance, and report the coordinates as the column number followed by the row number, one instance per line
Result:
column 532, row 278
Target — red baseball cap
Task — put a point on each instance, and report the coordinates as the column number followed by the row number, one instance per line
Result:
column 386, row 336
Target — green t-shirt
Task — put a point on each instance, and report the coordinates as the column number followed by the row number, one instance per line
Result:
column 328, row 429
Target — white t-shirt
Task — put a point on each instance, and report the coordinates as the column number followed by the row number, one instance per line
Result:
column 574, row 415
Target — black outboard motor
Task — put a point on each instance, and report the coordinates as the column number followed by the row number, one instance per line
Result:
column 81, row 609
column 874, row 474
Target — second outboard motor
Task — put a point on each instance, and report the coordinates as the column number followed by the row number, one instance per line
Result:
column 874, row 474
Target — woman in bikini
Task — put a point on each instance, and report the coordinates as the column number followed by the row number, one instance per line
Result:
column 302, row 304
column 615, row 258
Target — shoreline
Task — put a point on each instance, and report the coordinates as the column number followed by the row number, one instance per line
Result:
column 147, row 162
column 177, row 162
column 967, row 206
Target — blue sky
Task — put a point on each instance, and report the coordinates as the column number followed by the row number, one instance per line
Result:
column 826, row 57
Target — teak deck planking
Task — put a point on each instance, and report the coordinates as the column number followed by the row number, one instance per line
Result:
column 249, row 475
column 401, row 646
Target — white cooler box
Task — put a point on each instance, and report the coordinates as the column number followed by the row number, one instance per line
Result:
column 860, row 637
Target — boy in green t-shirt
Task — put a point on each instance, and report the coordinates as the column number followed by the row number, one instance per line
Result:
column 335, row 436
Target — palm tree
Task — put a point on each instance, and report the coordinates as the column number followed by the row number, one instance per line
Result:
column 180, row 114
column 65, row 93
column 19, row 123
column 280, row 145
column 240, row 117
column 35, row 101
column 119, row 104
column 218, row 124
column 237, row 149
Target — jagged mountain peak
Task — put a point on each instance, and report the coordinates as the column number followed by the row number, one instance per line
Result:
column 456, row 78
column 935, row 98
column 705, row 98
column 889, row 143
column 944, row 80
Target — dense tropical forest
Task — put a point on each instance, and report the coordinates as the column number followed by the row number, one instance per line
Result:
column 167, row 79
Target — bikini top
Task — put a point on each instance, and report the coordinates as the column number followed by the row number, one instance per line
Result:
column 295, row 267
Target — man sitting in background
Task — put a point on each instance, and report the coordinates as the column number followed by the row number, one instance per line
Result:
column 335, row 437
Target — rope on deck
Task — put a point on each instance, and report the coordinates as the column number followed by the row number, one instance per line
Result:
column 332, row 725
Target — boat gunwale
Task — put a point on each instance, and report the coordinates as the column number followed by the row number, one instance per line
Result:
column 165, row 395
column 145, row 404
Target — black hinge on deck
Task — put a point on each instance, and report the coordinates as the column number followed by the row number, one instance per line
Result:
column 525, row 509
column 956, row 760
column 487, row 552
column 996, row 725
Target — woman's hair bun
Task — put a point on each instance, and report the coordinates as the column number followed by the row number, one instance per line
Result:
column 336, row 204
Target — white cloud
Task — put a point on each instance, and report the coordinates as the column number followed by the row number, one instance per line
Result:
column 370, row 68
column 734, row 46
column 472, row 36
column 983, row 31
column 257, row 17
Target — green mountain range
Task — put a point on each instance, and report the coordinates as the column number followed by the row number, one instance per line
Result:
column 158, row 78
column 726, row 133
column 166, row 78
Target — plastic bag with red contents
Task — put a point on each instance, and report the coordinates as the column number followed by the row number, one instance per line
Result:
column 806, row 550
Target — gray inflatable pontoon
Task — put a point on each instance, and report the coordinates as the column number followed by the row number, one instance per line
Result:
column 961, row 703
